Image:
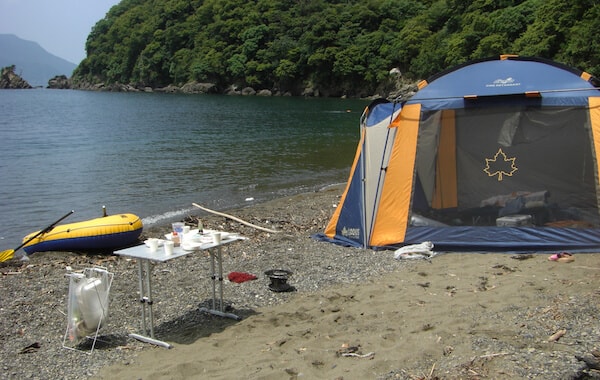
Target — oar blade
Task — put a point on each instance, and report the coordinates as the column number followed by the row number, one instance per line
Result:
column 7, row 255
column 10, row 253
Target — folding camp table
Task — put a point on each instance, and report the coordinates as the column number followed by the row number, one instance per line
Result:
column 144, row 256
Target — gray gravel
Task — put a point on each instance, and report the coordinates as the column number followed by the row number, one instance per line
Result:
column 33, row 300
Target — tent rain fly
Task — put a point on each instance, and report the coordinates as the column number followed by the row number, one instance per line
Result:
column 494, row 155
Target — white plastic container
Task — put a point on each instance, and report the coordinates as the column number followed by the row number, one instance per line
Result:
column 516, row 220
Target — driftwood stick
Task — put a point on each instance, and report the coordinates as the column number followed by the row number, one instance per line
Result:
column 494, row 355
column 234, row 218
column 370, row 354
column 557, row 335
column 432, row 369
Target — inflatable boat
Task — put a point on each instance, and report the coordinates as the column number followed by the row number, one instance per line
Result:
column 101, row 234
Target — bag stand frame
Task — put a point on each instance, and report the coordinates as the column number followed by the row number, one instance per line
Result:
column 75, row 279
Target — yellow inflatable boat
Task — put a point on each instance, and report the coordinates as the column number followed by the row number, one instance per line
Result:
column 101, row 234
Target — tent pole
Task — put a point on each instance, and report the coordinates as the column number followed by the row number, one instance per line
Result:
column 365, row 243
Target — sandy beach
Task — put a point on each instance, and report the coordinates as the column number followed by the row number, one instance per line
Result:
column 457, row 316
column 354, row 314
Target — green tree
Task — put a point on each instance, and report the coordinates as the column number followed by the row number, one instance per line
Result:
column 581, row 49
column 339, row 47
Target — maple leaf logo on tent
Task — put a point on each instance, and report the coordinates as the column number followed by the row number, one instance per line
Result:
column 500, row 165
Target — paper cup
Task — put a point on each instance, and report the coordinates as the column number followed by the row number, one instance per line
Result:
column 186, row 229
column 168, row 245
column 153, row 244
column 216, row 237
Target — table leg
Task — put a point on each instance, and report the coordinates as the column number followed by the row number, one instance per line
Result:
column 142, row 294
column 149, row 301
column 219, row 259
column 144, row 273
column 213, row 277
column 220, row 262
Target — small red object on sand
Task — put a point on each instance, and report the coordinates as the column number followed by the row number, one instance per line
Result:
column 239, row 277
column 563, row 257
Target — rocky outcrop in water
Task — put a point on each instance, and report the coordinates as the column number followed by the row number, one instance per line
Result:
column 10, row 80
column 60, row 82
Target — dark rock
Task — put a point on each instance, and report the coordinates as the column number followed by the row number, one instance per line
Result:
column 394, row 88
column 590, row 361
column 170, row 89
column 264, row 93
column 10, row 80
column 404, row 92
column 310, row 92
column 60, row 82
column 248, row 91
column 232, row 90
column 199, row 88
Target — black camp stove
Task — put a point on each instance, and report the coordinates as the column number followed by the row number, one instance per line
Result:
column 279, row 279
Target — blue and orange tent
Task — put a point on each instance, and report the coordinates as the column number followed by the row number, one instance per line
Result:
column 499, row 154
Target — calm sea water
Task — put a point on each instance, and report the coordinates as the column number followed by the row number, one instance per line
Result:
column 155, row 154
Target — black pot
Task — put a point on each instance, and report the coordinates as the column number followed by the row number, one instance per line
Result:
column 279, row 279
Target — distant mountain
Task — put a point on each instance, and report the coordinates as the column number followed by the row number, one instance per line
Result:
column 32, row 62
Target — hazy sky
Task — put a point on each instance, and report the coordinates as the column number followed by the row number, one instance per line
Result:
column 60, row 27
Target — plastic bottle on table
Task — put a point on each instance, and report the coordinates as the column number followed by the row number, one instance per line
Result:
column 175, row 239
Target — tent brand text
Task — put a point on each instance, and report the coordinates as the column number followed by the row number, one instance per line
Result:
column 508, row 82
column 351, row 232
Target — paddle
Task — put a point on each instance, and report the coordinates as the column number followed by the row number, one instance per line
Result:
column 9, row 253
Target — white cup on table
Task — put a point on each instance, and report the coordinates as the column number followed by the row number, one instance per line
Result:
column 216, row 237
column 153, row 244
column 168, row 245
column 185, row 234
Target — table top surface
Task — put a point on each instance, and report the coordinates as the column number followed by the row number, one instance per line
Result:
column 142, row 251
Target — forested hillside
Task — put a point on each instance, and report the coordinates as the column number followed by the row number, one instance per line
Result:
column 340, row 47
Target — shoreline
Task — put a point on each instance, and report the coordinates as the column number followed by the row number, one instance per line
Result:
column 354, row 313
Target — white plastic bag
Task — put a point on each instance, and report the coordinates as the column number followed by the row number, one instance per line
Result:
column 416, row 251
column 88, row 303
